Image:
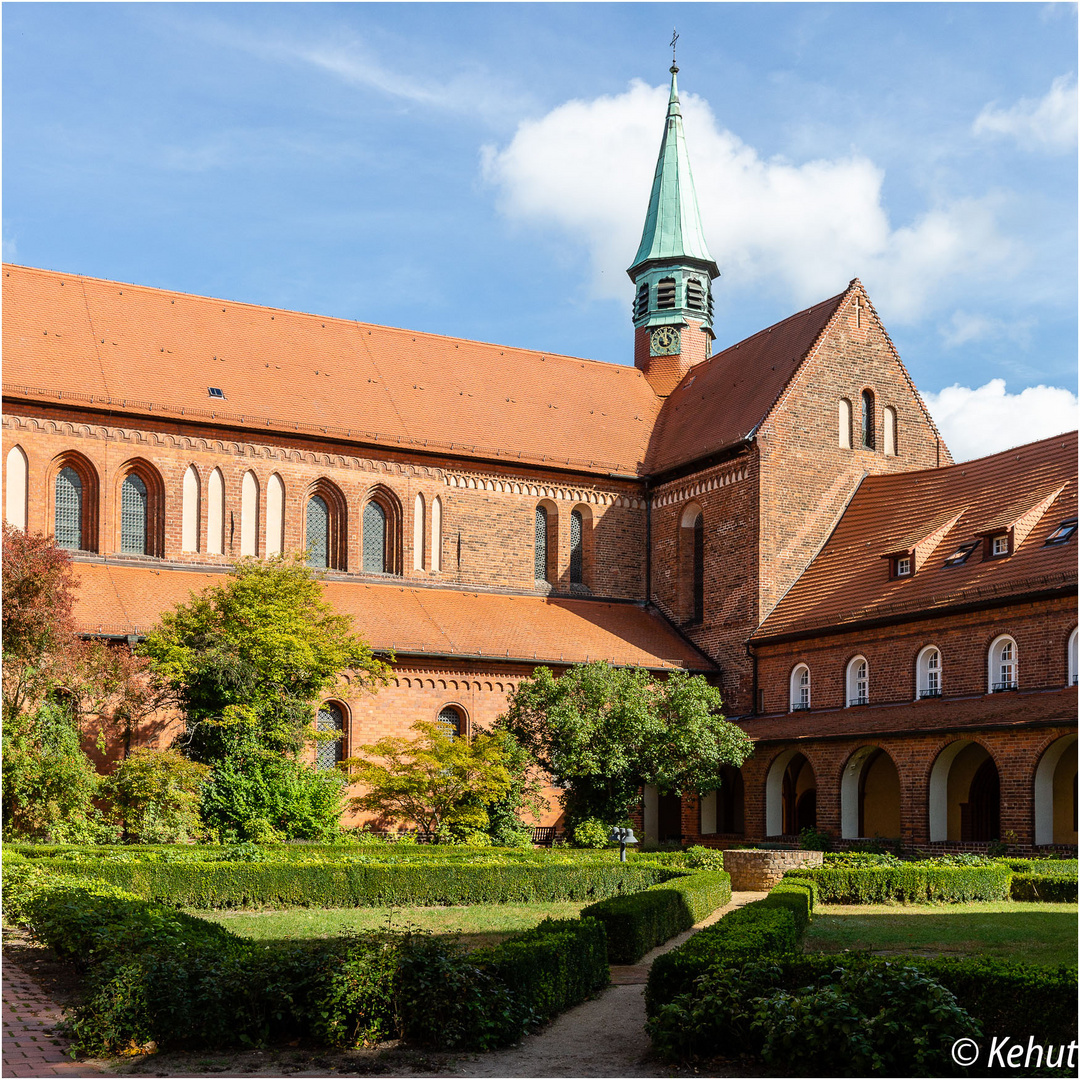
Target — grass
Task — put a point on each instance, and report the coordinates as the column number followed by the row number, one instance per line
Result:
column 1034, row 933
column 476, row 924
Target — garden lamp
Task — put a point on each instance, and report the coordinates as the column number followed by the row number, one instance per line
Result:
column 622, row 837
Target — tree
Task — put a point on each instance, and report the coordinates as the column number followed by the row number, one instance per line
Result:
column 153, row 796
column 435, row 781
column 245, row 664
column 601, row 732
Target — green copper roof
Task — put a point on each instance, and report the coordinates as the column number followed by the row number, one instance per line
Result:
column 673, row 223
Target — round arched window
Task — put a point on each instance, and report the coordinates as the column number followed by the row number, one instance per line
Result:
column 450, row 722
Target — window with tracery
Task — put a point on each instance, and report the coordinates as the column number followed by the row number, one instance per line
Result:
column 318, row 532
column 69, row 509
column 133, row 515
column 374, row 539
column 329, row 752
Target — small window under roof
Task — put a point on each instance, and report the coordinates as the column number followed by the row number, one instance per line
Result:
column 960, row 555
column 216, row 391
column 1063, row 533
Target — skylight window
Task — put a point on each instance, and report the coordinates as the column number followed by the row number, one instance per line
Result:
column 960, row 555
column 216, row 392
column 1063, row 533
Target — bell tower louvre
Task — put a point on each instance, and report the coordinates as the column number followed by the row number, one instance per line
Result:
column 673, row 270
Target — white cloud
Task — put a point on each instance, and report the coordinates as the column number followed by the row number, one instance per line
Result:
column 964, row 327
column 1044, row 123
column 987, row 419
column 10, row 249
column 806, row 229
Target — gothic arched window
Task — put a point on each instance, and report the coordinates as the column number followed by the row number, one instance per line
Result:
column 844, row 421
column 318, row 532
column 699, row 569
column 374, row 539
column 576, row 560
column 868, row 420
column 540, row 545
column 330, row 719
column 69, row 509
column 133, row 515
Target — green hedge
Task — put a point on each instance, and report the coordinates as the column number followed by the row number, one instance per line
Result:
column 1052, row 888
column 909, row 883
column 243, row 884
column 637, row 923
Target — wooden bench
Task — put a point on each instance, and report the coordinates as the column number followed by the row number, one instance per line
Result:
column 543, row 835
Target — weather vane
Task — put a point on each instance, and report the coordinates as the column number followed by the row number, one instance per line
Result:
column 674, row 38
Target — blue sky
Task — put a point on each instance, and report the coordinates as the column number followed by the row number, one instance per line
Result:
column 483, row 170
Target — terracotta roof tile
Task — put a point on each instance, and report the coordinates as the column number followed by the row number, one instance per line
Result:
column 134, row 347
column 124, row 600
column 849, row 581
column 944, row 714
column 723, row 400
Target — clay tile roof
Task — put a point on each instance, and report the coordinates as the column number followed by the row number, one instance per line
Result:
column 723, row 400
column 945, row 714
column 127, row 600
column 136, row 349
column 849, row 582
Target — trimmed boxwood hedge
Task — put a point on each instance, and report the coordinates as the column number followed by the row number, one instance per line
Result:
column 637, row 923
column 1052, row 888
column 325, row 884
column 909, row 883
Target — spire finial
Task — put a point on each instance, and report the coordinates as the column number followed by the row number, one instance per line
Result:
column 674, row 38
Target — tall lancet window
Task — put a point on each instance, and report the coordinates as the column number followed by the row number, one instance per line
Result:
column 540, row 547
column 318, row 533
column 133, row 508
column 374, row 538
column 576, row 561
column 69, row 509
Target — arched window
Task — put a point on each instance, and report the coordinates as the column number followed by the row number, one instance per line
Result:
column 450, row 722
column 576, row 541
column 318, row 533
column 142, row 509
column 249, row 514
column 275, row 515
column 928, row 673
column 374, row 539
column 858, row 682
column 418, row 532
column 331, row 719
column 665, row 293
column 1072, row 659
column 69, row 509
column 436, row 535
column 888, row 417
column 540, row 545
column 868, row 420
column 844, row 424
column 695, row 294
column 15, row 488
column 800, row 688
column 215, row 513
column 1004, row 667
column 641, row 301
column 189, row 526
column 133, row 515
column 699, row 569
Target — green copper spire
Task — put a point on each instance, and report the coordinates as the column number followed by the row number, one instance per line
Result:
column 673, row 224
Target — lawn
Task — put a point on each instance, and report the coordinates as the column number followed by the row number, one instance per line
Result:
column 477, row 924
column 1034, row 933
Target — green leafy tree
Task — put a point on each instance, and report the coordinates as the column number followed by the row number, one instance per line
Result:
column 245, row 663
column 153, row 796
column 601, row 732
column 435, row 781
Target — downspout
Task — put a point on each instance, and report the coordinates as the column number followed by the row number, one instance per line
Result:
column 648, row 545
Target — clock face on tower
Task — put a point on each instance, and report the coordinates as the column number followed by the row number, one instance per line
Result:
column 664, row 341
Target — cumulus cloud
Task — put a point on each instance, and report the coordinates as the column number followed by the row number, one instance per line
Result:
column 988, row 419
column 1047, row 123
column 586, row 167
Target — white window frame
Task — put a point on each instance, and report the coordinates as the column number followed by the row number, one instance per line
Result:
column 857, row 685
column 999, row 546
column 903, row 566
column 925, row 674
column 1072, row 660
column 998, row 667
column 799, row 690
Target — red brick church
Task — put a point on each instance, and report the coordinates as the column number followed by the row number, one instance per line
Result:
column 897, row 634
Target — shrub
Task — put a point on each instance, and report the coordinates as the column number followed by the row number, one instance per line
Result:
column 703, row 858
column 323, row 882
column 1052, row 888
column 908, row 883
column 591, row 833
column 815, row 840
column 639, row 922
column 154, row 796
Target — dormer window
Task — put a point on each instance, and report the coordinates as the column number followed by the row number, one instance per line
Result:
column 960, row 555
column 665, row 293
column 999, row 545
column 903, row 566
column 1063, row 533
